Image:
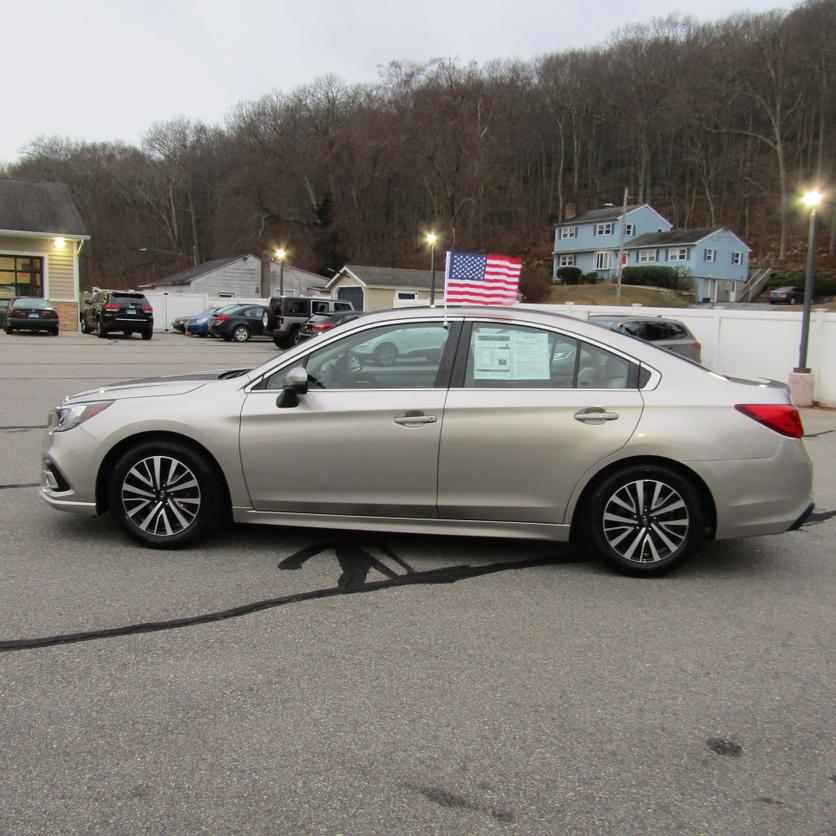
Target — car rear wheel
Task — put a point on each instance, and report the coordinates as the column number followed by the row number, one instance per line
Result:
column 644, row 520
column 163, row 494
column 240, row 333
column 82, row 325
column 147, row 334
column 101, row 331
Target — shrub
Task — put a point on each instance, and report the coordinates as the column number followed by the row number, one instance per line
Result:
column 652, row 275
column 589, row 278
column 569, row 275
column 535, row 283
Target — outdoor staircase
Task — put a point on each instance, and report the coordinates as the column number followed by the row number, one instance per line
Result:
column 755, row 284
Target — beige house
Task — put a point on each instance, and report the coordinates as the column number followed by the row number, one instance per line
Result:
column 41, row 235
column 381, row 288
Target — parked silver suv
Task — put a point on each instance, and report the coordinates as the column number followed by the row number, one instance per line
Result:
column 666, row 333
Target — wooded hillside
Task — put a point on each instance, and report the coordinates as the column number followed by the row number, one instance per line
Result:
column 714, row 124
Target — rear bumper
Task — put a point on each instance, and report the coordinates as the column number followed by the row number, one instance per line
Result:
column 31, row 323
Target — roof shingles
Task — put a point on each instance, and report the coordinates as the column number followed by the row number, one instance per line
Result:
column 48, row 208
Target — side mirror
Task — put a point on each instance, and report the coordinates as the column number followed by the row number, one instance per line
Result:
column 295, row 384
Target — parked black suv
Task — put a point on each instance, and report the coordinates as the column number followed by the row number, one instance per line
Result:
column 117, row 310
column 285, row 315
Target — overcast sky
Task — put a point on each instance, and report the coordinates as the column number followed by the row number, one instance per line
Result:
column 108, row 69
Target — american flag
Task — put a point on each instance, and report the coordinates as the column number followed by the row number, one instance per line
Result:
column 481, row 279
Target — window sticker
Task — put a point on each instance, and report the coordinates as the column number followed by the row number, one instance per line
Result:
column 518, row 355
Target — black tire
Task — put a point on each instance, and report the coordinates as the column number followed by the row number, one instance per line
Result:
column 188, row 512
column 101, row 331
column 292, row 333
column 240, row 333
column 634, row 538
column 54, row 332
column 82, row 326
column 386, row 354
column 8, row 329
column 147, row 334
column 280, row 342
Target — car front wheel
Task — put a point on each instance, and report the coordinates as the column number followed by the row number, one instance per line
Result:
column 644, row 520
column 240, row 333
column 164, row 495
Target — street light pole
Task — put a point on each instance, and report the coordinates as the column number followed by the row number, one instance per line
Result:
column 431, row 239
column 811, row 199
column 281, row 255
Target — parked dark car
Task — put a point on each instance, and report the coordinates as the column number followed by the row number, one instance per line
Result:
column 666, row 333
column 785, row 295
column 238, row 322
column 107, row 311
column 322, row 322
column 285, row 315
column 27, row 313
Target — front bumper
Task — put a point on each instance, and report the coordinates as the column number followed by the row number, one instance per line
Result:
column 70, row 463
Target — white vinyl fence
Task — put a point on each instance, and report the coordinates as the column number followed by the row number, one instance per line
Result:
column 748, row 343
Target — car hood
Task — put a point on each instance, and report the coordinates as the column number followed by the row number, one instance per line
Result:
column 180, row 384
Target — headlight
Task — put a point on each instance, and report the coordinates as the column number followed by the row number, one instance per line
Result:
column 66, row 417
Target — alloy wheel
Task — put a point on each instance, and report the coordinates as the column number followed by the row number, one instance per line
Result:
column 241, row 334
column 161, row 495
column 645, row 521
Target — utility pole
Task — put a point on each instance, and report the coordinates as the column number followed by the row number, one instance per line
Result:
column 621, row 250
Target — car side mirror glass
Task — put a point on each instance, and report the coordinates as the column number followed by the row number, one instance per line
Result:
column 295, row 384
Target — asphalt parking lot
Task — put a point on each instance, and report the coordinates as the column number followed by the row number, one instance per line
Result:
column 396, row 684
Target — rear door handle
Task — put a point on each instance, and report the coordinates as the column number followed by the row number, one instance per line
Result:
column 595, row 415
column 414, row 419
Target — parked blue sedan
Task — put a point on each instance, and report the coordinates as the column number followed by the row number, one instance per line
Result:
column 198, row 325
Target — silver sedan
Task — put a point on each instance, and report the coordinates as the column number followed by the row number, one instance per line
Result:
column 500, row 422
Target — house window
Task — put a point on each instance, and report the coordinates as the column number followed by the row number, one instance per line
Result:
column 568, row 232
column 567, row 260
column 737, row 258
column 678, row 254
column 710, row 255
column 647, row 256
column 21, row 276
column 405, row 294
column 603, row 260
column 629, row 229
column 603, row 229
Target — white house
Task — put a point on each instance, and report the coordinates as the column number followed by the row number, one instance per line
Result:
column 238, row 277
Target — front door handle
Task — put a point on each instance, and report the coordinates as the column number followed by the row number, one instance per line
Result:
column 414, row 419
column 595, row 415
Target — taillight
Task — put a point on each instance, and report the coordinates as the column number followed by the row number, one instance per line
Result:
column 112, row 308
column 17, row 313
column 148, row 309
column 51, row 314
column 280, row 320
column 697, row 345
column 218, row 319
column 321, row 326
column 782, row 418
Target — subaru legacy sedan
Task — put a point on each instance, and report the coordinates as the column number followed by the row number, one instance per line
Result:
column 508, row 422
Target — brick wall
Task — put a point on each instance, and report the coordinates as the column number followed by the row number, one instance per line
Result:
column 67, row 315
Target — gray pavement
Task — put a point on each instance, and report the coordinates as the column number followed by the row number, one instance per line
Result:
column 547, row 697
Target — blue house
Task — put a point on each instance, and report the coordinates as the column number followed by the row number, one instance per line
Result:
column 715, row 259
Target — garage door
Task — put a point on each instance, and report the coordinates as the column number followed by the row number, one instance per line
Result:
column 353, row 295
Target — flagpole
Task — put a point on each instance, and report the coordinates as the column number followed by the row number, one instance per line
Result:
column 446, row 277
